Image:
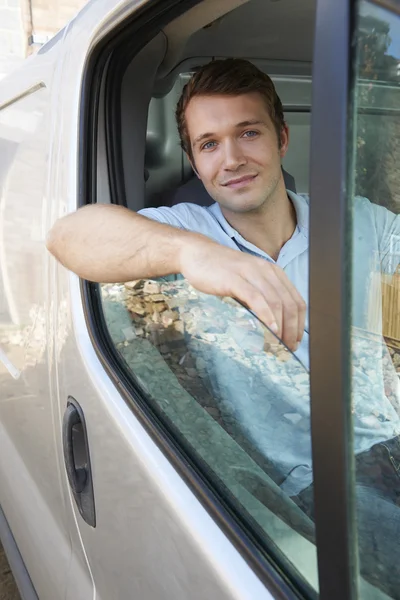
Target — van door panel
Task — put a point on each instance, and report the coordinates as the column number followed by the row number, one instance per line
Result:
column 153, row 539
column 30, row 491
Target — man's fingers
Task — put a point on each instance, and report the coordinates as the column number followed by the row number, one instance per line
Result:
column 288, row 330
column 256, row 301
column 297, row 298
column 280, row 300
column 290, row 314
column 302, row 320
column 272, row 297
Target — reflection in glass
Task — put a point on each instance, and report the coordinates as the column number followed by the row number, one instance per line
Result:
column 234, row 392
column 376, row 297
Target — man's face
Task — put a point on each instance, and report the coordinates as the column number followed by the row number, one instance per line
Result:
column 235, row 149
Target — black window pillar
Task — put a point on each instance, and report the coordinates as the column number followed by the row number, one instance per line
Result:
column 330, row 301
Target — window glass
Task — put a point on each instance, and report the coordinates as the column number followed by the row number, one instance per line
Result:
column 234, row 397
column 375, row 202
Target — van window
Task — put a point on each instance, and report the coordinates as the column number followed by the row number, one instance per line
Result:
column 233, row 394
column 231, row 397
column 376, row 295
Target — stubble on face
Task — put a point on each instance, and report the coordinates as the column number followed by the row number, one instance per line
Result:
column 231, row 151
column 245, row 201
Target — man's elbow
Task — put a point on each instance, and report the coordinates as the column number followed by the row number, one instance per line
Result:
column 55, row 239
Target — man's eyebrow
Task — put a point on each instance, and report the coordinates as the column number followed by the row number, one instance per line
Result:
column 250, row 122
column 204, row 136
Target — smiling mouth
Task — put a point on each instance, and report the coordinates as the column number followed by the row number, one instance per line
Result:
column 240, row 181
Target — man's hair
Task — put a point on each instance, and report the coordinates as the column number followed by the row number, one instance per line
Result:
column 230, row 77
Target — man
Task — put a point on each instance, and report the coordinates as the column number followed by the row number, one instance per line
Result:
column 126, row 245
column 251, row 244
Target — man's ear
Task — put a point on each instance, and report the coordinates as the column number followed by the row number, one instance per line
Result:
column 192, row 164
column 284, row 140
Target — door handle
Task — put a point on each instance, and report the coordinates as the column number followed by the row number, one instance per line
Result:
column 77, row 460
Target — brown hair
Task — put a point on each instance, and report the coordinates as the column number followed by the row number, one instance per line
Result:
column 231, row 77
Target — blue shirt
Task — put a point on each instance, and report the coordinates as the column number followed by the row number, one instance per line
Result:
column 376, row 249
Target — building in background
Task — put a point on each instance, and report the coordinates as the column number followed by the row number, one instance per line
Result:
column 25, row 25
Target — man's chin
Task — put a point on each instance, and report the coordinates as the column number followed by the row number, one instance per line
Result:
column 240, row 204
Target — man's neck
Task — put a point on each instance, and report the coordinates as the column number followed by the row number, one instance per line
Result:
column 268, row 228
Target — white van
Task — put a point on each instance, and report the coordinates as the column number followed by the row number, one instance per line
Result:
column 126, row 471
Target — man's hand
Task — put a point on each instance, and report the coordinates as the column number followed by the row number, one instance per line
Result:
column 260, row 285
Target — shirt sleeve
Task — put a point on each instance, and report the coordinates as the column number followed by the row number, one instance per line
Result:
column 166, row 215
column 388, row 231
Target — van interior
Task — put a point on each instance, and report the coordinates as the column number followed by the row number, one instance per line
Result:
column 277, row 36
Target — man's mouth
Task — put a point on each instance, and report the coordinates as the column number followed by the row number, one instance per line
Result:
column 239, row 182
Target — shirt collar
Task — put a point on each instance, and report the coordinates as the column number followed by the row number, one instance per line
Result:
column 300, row 203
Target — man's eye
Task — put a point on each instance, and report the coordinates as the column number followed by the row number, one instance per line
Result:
column 208, row 145
column 250, row 134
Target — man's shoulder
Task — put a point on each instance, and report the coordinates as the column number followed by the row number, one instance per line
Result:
column 184, row 215
column 377, row 214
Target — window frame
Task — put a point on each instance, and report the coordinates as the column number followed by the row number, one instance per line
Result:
column 330, row 317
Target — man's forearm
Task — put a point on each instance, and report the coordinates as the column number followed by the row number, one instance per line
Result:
column 113, row 244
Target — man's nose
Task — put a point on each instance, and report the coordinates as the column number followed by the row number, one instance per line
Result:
column 233, row 156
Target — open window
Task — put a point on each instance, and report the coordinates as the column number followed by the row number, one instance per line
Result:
column 163, row 67
column 204, row 370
